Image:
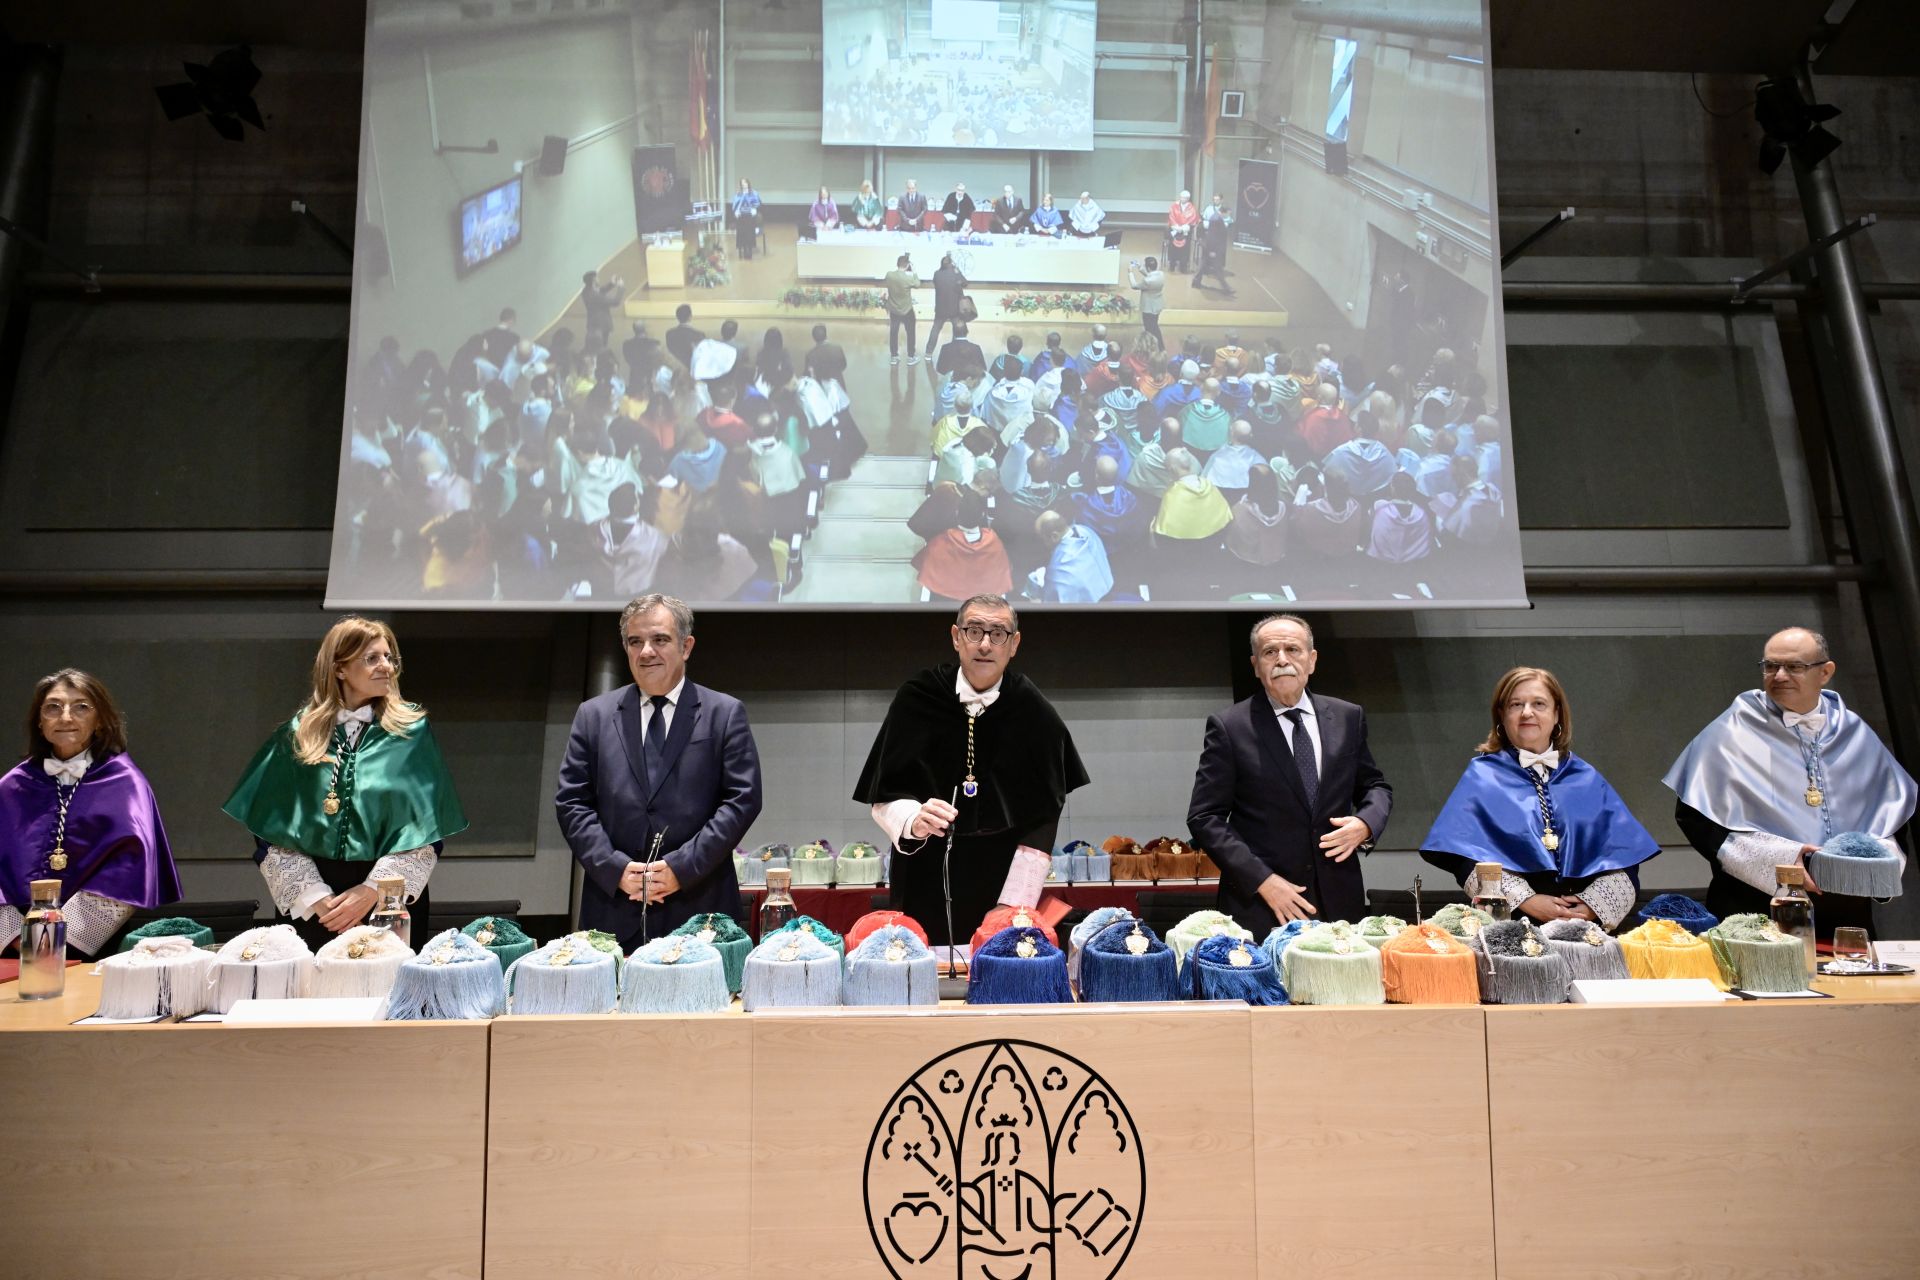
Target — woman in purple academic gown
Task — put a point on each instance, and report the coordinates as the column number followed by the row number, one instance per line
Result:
column 1568, row 844
column 78, row 810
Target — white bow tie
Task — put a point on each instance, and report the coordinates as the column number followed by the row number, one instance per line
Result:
column 1814, row 720
column 1528, row 759
column 68, row 770
column 363, row 714
column 976, row 702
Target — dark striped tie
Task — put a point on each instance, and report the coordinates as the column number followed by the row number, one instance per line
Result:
column 656, row 744
column 1303, row 758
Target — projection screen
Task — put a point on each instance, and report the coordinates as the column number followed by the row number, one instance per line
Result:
column 1321, row 422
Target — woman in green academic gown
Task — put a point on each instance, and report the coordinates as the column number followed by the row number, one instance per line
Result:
column 352, row 789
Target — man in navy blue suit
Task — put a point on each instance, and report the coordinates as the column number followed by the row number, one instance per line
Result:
column 663, row 758
column 1287, row 792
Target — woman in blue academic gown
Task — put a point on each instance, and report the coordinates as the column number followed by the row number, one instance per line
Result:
column 1570, row 847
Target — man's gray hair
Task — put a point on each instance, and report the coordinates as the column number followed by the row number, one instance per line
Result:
column 1819, row 641
column 682, row 615
column 996, row 603
column 1253, row 636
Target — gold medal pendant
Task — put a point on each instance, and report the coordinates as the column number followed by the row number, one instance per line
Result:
column 331, row 805
column 1815, row 796
column 1551, row 839
column 58, row 859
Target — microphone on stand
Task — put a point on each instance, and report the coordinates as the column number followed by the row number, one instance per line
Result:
column 653, row 855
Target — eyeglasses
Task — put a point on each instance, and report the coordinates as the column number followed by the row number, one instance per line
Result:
column 374, row 661
column 53, row 709
column 1794, row 669
column 995, row 636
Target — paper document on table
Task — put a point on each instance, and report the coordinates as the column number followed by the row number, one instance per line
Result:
column 95, row 1020
column 1647, row 991
column 311, row 1009
column 1891, row 951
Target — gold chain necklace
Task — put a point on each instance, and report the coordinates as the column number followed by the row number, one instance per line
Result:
column 970, row 786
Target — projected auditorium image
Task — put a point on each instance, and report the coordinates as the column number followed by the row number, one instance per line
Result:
column 875, row 304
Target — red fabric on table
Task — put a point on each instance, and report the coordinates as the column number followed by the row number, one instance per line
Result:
column 10, row 967
column 839, row 908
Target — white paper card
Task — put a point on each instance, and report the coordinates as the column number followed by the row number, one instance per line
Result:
column 314, row 1009
column 1647, row 991
column 1890, row 951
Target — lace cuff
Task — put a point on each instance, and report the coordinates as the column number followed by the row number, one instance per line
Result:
column 894, row 819
column 411, row 865
column 92, row 921
column 293, row 882
column 1751, row 856
column 1611, row 897
column 10, row 922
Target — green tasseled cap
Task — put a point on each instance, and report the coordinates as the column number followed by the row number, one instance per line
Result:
column 508, row 941
column 817, row 929
column 729, row 939
column 1454, row 916
column 1375, row 930
column 171, row 927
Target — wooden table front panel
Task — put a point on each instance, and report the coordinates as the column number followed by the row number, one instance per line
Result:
column 1370, row 1142
column 618, row 1146
column 1174, row 1199
column 1769, row 1139
column 245, row 1151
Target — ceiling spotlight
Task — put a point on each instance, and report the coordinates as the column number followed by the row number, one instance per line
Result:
column 221, row 90
column 1791, row 124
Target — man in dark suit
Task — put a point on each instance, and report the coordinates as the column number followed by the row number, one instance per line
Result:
column 949, row 288
column 661, row 759
column 827, row 360
column 1009, row 213
column 683, row 337
column 1287, row 792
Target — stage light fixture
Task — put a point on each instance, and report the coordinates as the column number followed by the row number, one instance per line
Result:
column 221, row 90
column 1791, row 124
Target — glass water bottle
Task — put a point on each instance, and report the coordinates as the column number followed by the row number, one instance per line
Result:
column 43, row 944
column 391, row 913
column 778, row 909
column 1792, row 910
column 1486, row 890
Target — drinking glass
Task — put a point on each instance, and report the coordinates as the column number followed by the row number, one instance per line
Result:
column 1850, row 949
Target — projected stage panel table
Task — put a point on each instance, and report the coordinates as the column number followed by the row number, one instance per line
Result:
column 869, row 255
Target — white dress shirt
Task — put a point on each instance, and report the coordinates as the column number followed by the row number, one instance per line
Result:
column 1312, row 722
column 646, row 709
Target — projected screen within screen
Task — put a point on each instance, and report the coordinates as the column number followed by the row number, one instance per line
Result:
column 994, row 74
column 1321, row 421
column 489, row 224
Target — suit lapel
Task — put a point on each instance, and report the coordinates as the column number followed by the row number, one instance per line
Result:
column 632, row 737
column 1266, row 727
column 678, row 733
column 1333, row 739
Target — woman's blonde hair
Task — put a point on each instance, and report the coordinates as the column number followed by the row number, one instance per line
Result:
column 1562, row 739
column 344, row 643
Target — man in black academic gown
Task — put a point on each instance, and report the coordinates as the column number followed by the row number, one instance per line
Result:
column 957, row 212
column 1287, row 792
column 971, row 763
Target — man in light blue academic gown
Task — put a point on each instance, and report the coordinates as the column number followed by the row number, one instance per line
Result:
column 1780, row 773
column 659, row 783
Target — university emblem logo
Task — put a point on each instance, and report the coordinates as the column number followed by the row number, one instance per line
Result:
column 657, row 180
column 1005, row 1160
